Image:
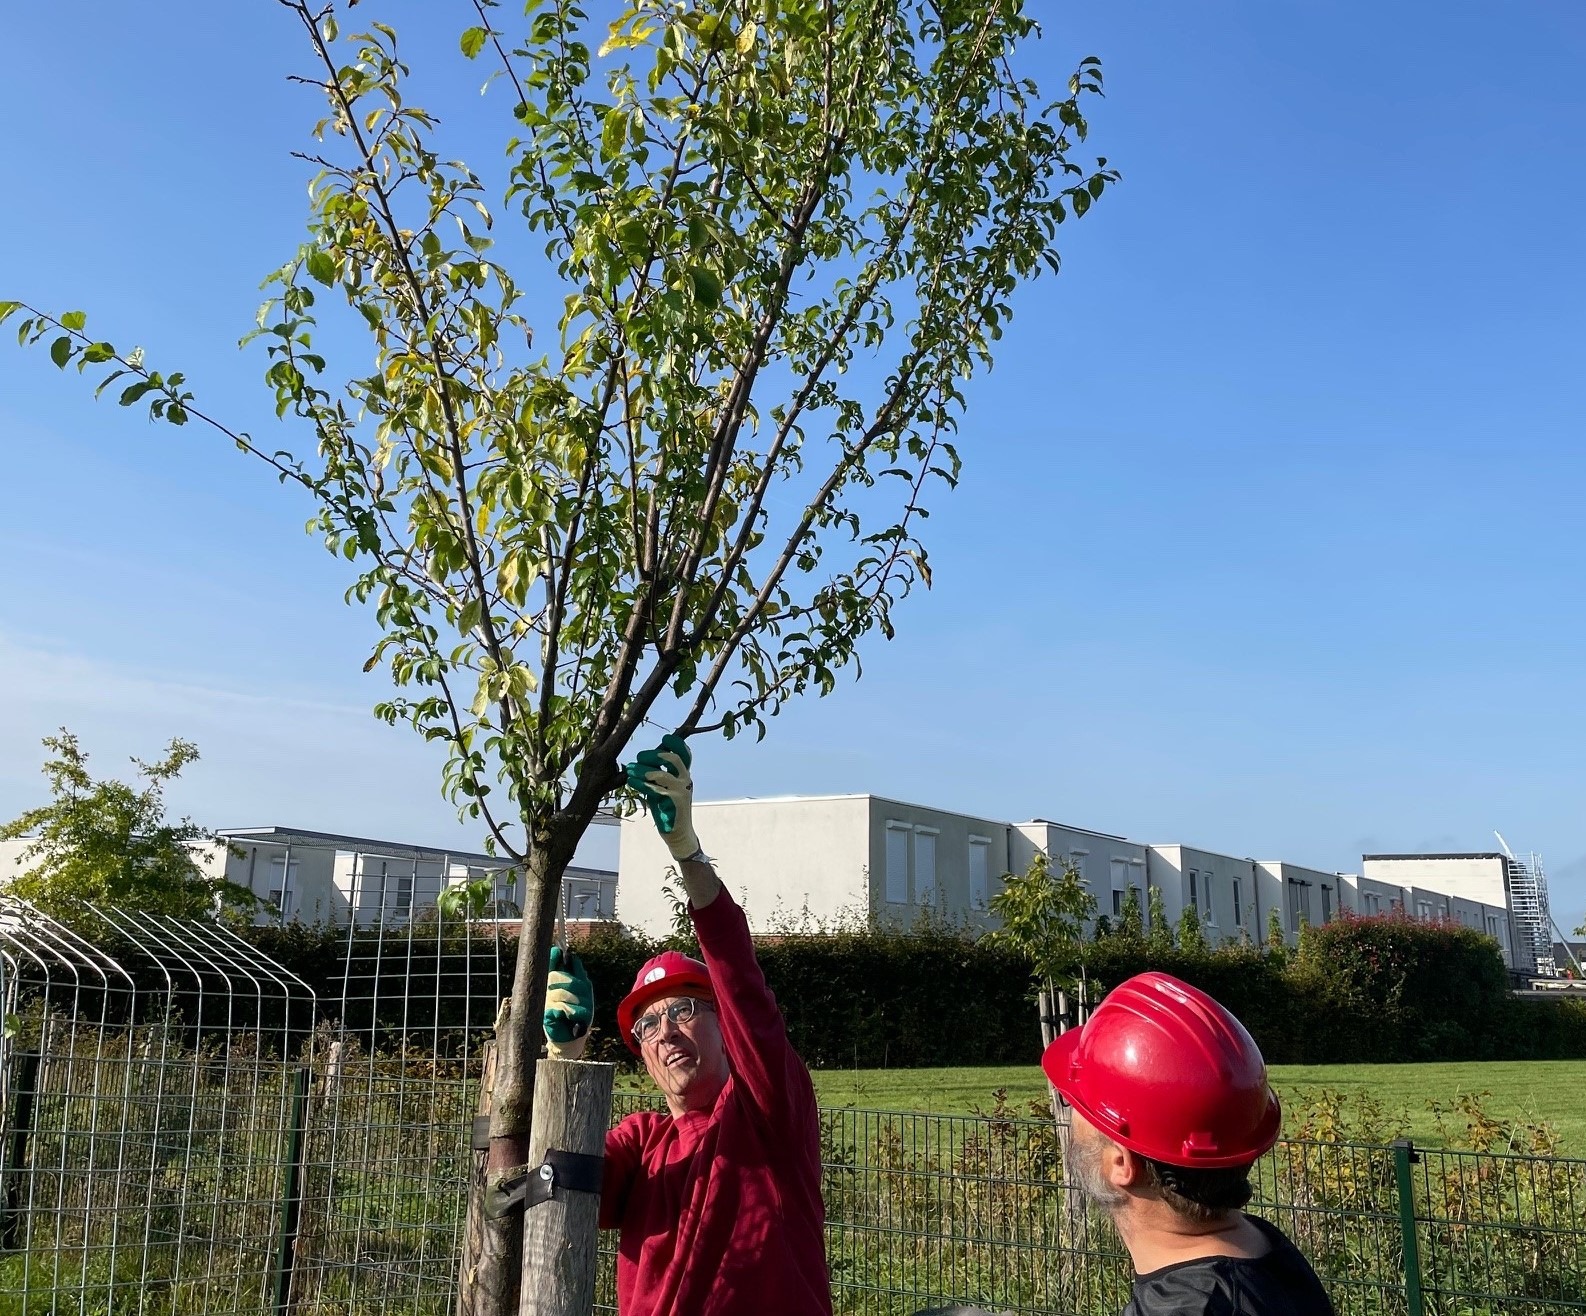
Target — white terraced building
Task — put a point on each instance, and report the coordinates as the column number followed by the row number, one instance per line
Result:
column 821, row 860
column 324, row 877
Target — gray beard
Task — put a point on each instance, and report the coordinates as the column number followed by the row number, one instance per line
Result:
column 1084, row 1165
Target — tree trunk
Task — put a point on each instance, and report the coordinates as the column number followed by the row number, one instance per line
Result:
column 492, row 1258
column 497, row 1277
column 572, row 1111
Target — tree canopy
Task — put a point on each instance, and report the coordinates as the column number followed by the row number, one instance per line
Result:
column 110, row 842
column 669, row 468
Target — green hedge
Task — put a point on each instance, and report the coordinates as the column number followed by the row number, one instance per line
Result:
column 1384, row 988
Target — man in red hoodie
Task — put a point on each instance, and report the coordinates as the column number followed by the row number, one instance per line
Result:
column 717, row 1201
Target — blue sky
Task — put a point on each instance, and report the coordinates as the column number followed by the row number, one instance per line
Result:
column 1269, row 539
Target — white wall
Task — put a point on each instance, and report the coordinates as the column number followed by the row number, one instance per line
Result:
column 1370, row 896
column 1214, row 877
column 11, row 865
column 1109, row 865
column 1299, row 892
column 311, row 895
column 1482, row 877
column 921, row 860
column 779, row 857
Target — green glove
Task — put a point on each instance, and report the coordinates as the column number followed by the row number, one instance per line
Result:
column 569, row 1005
column 662, row 778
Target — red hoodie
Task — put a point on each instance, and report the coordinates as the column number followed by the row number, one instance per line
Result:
column 720, row 1211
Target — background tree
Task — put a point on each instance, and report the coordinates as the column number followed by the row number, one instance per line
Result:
column 1044, row 917
column 779, row 238
column 1131, row 926
column 1275, row 939
column 110, row 842
column 1191, row 931
column 1159, row 932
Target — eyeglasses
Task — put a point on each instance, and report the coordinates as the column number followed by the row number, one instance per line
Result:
column 679, row 1012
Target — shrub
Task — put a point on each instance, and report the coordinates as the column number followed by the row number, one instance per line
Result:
column 1358, row 989
column 1391, row 987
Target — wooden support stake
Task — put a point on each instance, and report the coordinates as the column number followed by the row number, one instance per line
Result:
column 572, row 1111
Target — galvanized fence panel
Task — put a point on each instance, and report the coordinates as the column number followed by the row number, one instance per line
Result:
column 397, row 1069
column 147, row 1086
column 1505, row 1234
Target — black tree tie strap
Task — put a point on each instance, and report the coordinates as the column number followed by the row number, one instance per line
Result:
column 531, row 1185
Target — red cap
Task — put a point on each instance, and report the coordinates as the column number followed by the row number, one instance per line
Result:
column 1165, row 1071
column 671, row 973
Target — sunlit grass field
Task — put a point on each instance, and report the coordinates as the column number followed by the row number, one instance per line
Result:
column 1520, row 1090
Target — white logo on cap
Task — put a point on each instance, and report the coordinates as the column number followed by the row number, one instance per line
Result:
column 655, row 974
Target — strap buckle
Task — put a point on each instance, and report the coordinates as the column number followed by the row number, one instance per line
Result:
column 529, row 1185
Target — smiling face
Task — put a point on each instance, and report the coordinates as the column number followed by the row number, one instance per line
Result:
column 688, row 1061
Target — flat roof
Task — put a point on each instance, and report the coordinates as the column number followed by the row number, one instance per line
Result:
column 1071, row 827
column 848, row 795
column 1482, row 854
column 311, row 840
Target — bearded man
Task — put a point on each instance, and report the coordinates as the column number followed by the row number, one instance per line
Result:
column 1171, row 1107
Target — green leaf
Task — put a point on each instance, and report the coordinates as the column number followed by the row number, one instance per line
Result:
column 613, row 134
column 474, row 41
column 322, row 267
column 73, row 320
column 133, row 392
column 8, row 309
column 61, row 351
column 707, row 286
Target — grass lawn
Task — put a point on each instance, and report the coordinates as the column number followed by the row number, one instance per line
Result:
column 1554, row 1090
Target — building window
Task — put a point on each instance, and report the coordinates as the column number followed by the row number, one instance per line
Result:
column 404, row 895
column 1327, row 903
column 897, row 878
column 1296, row 903
column 1239, row 909
column 283, row 883
column 1195, row 901
column 925, row 865
column 1117, row 903
column 1423, row 909
column 979, row 872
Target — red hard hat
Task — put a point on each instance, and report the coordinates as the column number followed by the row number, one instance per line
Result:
column 1164, row 1070
column 671, row 973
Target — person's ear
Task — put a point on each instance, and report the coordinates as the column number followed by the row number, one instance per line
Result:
column 1123, row 1168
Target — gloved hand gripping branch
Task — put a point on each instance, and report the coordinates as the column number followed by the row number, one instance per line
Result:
column 569, row 1006
column 661, row 777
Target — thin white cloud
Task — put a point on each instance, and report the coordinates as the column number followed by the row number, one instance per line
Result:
column 268, row 757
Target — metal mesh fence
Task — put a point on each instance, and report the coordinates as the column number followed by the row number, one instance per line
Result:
column 397, row 1070
column 147, row 1104
column 187, row 1128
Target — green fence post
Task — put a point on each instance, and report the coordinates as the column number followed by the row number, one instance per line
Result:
column 1404, row 1155
column 292, row 1195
